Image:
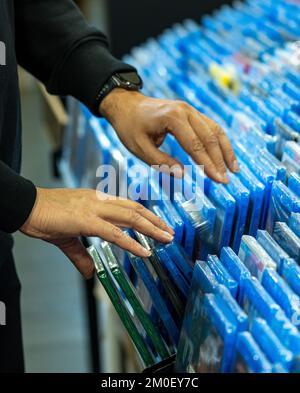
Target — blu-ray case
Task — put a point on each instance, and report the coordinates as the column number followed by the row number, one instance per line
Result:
column 122, row 311
column 181, row 259
column 269, row 343
column 294, row 183
column 222, row 275
column 287, row 239
column 241, row 196
column 249, row 357
column 291, row 273
column 281, row 293
column 256, row 190
column 258, row 303
column 272, row 248
column 131, row 295
column 236, row 269
column 225, row 205
column 153, row 262
column 283, row 202
column 156, row 297
column 210, row 343
column 255, row 257
column 174, row 273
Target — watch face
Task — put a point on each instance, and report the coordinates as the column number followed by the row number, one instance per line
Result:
column 131, row 77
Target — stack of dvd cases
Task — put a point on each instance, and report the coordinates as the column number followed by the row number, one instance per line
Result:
column 239, row 242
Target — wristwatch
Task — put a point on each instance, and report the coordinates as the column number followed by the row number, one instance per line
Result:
column 123, row 80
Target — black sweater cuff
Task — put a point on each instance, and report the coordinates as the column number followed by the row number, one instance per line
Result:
column 92, row 64
column 17, row 198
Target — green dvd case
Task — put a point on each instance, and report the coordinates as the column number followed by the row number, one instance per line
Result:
column 135, row 303
column 124, row 315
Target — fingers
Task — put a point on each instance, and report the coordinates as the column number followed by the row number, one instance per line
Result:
column 78, row 255
column 194, row 146
column 150, row 154
column 123, row 216
column 207, row 133
column 115, row 235
column 205, row 141
column 148, row 214
column 225, row 145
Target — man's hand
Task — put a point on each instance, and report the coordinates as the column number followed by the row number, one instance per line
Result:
column 142, row 124
column 61, row 216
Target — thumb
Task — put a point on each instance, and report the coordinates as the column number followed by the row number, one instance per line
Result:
column 78, row 255
column 155, row 157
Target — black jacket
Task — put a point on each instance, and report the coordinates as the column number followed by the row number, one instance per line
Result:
column 51, row 40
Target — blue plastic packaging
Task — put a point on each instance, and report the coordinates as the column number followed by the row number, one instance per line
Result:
column 236, row 269
column 173, row 271
column 181, row 259
column 157, row 300
column 241, row 196
column 291, row 273
column 281, row 293
column 287, row 239
column 283, row 202
column 225, row 205
column 250, row 358
column 255, row 257
column 272, row 248
column 294, row 223
column 210, row 344
column 294, row 183
column 222, row 275
column 269, row 343
column 256, row 189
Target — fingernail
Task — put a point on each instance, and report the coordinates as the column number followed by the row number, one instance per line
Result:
column 178, row 172
column 166, row 236
column 235, row 166
column 225, row 178
column 219, row 177
column 145, row 252
column 171, row 231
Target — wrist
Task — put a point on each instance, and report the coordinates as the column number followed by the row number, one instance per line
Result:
column 117, row 101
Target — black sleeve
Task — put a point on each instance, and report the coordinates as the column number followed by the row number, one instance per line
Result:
column 17, row 199
column 57, row 46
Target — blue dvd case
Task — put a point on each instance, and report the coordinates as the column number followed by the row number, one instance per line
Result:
column 256, row 190
column 173, row 271
column 272, row 248
column 281, row 293
column 269, row 343
column 287, row 239
column 294, row 223
column 283, row 202
column 263, row 173
column 189, row 233
column 241, row 195
column 258, row 303
column 294, row 183
column 291, row 274
column 225, row 205
column 236, row 269
column 231, row 307
column 180, row 258
column 255, row 257
column 222, row 275
column 209, row 346
column 158, row 302
column 249, row 356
